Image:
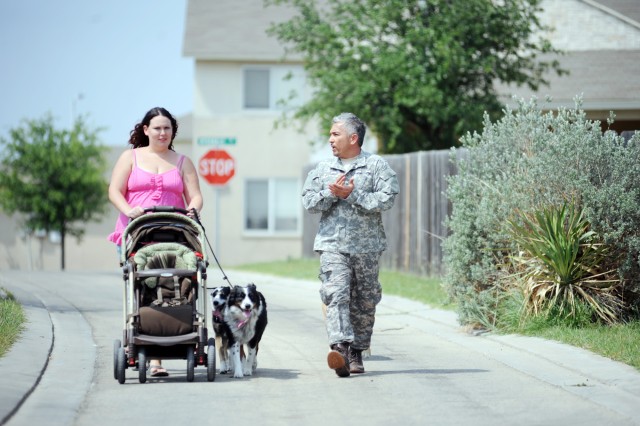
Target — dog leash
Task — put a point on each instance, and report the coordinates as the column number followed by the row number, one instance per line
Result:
column 197, row 219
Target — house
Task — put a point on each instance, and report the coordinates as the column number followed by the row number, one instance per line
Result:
column 256, row 214
column 239, row 79
column 601, row 39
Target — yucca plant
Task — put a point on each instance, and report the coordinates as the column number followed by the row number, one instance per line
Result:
column 561, row 265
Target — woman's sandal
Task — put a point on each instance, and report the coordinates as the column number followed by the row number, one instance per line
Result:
column 157, row 371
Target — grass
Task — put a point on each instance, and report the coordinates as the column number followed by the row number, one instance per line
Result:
column 12, row 318
column 619, row 342
column 421, row 289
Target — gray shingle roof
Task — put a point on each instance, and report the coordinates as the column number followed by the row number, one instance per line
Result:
column 233, row 30
column 606, row 79
column 627, row 8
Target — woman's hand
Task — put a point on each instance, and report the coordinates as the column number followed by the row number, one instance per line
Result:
column 193, row 213
column 135, row 212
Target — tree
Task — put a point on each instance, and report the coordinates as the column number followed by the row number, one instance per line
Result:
column 53, row 177
column 421, row 73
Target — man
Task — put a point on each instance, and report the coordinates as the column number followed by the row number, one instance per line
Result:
column 350, row 191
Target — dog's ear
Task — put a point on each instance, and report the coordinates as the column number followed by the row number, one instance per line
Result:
column 235, row 293
column 251, row 287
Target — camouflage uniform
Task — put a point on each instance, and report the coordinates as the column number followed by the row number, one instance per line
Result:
column 350, row 241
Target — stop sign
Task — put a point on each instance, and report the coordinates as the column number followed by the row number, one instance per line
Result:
column 217, row 167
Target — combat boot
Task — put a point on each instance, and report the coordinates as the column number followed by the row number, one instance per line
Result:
column 338, row 359
column 356, row 365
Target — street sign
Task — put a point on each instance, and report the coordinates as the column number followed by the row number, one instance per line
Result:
column 208, row 140
column 217, row 167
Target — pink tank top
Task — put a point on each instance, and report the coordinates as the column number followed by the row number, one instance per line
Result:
column 147, row 189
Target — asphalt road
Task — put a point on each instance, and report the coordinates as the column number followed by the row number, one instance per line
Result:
column 424, row 368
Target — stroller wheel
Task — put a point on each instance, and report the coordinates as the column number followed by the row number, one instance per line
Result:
column 142, row 365
column 117, row 344
column 211, row 360
column 122, row 365
column 191, row 363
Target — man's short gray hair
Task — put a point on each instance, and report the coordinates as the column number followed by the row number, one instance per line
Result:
column 353, row 125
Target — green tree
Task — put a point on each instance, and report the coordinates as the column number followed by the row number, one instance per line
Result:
column 421, row 73
column 53, row 177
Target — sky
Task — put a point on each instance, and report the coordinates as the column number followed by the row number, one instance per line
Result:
column 110, row 61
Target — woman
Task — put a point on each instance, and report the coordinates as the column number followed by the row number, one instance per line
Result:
column 152, row 174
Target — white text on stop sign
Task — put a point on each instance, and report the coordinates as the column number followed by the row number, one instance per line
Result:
column 216, row 167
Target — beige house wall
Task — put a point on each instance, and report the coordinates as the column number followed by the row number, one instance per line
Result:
column 260, row 151
column 20, row 250
column 23, row 251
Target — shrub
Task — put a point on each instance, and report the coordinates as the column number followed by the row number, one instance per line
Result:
column 559, row 266
column 527, row 161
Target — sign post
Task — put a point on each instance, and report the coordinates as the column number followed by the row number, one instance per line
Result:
column 217, row 167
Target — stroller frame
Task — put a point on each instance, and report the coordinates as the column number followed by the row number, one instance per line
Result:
column 164, row 227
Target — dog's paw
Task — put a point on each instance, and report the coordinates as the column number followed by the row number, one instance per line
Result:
column 238, row 374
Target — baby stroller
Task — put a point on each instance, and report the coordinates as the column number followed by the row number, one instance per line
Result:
column 164, row 266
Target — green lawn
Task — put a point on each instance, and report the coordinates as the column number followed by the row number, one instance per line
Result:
column 11, row 321
column 621, row 342
column 422, row 289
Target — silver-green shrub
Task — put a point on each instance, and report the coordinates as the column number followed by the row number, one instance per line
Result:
column 527, row 161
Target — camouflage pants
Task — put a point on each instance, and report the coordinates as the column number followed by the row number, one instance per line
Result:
column 350, row 289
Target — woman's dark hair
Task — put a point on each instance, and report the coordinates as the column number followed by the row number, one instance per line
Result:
column 137, row 138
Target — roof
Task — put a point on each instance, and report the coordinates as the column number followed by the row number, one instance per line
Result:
column 232, row 30
column 629, row 9
column 607, row 80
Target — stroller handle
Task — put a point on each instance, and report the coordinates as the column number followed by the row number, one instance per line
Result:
column 165, row 209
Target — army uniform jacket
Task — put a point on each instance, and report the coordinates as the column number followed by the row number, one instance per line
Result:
column 351, row 225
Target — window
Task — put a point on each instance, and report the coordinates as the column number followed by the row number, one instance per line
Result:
column 272, row 206
column 256, row 88
column 267, row 88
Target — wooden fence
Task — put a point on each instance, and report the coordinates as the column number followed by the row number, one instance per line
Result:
column 415, row 225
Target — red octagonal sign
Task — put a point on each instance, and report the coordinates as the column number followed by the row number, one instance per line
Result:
column 217, row 167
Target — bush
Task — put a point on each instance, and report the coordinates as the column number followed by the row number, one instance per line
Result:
column 561, row 267
column 527, row 162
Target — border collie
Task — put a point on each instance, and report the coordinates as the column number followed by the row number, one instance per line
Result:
column 219, row 297
column 246, row 317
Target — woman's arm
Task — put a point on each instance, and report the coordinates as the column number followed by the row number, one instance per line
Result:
column 192, row 194
column 118, row 185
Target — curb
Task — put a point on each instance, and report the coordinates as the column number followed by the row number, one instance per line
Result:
column 22, row 367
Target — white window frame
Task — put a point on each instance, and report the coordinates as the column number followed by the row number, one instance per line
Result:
column 271, row 210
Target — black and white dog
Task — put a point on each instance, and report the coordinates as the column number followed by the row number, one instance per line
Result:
column 246, row 317
column 219, row 298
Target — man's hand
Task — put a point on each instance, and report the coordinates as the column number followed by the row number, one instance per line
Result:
column 340, row 188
